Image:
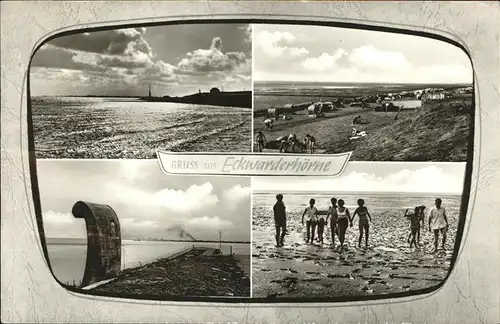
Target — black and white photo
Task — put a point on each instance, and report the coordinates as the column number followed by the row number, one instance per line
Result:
column 378, row 229
column 124, row 93
column 384, row 96
column 180, row 235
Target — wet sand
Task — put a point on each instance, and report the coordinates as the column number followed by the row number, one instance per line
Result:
column 387, row 266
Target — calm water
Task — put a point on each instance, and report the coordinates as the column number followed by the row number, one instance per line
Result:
column 68, row 260
column 78, row 127
column 373, row 202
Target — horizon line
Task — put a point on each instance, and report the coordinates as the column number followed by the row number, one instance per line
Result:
column 385, row 193
column 367, row 82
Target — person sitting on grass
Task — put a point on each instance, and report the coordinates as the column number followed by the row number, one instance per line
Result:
column 283, row 144
column 312, row 220
column 363, row 224
column 279, row 210
column 414, row 226
column 310, row 142
column 261, row 140
column 356, row 120
column 438, row 222
column 292, row 141
column 269, row 123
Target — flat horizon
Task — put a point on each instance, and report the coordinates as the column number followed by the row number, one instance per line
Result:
column 355, row 82
column 337, row 193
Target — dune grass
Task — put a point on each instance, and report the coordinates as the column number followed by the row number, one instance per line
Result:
column 438, row 131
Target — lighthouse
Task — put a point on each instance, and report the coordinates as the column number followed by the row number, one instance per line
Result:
column 149, row 91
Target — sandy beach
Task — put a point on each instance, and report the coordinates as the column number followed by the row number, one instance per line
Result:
column 387, row 266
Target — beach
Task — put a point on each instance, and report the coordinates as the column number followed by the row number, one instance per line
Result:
column 387, row 266
column 435, row 130
column 93, row 127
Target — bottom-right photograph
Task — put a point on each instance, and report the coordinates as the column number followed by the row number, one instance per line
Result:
column 378, row 229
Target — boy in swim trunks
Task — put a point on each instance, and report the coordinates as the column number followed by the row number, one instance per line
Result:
column 312, row 220
column 279, row 210
column 363, row 224
column 438, row 222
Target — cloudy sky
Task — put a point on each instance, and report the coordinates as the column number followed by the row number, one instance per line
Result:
column 404, row 177
column 146, row 201
column 175, row 60
column 326, row 54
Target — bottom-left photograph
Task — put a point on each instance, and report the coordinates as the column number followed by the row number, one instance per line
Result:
column 124, row 228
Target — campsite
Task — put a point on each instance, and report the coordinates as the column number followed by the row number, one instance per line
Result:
column 398, row 127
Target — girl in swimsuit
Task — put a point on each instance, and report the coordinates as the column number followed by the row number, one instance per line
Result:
column 363, row 224
column 343, row 220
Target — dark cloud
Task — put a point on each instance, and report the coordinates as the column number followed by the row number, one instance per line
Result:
column 53, row 57
column 112, row 42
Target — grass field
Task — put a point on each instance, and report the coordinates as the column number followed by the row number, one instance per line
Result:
column 438, row 132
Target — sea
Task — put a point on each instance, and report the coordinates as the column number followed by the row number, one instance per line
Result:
column 97, row 127
column 68, row 256
column 379, row 201
column 279, row 86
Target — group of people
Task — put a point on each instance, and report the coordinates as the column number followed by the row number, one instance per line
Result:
column 339, row 218
column 287, row 142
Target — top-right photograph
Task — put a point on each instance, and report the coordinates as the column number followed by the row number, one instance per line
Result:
column 384, row 96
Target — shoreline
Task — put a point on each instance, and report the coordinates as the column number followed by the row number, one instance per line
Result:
column 388, row 266
column 197, row 272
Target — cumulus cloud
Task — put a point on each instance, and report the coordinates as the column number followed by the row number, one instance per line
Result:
column 147, row 202
column 208, row 223
column 321, row 54
column 58, row 224
column 429, row 179
column 235, row 196
column 277, row 44
column 211, row 60
column 324, row 61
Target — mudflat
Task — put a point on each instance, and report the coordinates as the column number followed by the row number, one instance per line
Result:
column 388, row 266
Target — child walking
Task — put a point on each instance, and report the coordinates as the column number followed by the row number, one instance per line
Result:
column 363, row 224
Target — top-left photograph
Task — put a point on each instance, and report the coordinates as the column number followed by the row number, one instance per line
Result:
column 125, row 93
